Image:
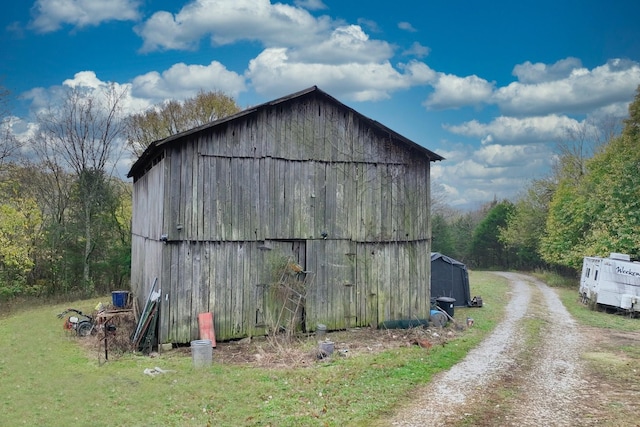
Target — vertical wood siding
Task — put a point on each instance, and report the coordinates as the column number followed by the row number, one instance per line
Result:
column 281, row 177
column 246, row 199
column 148, row 203
column 354, row 284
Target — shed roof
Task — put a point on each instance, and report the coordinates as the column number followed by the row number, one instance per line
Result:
column 151, row 151
column 438, row 255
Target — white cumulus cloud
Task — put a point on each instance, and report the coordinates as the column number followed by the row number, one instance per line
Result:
column 274, row 72
column 182, row 81
column 50, row 15
column 179, row 82
column 491, row 171
column 346, row 44
column 42, row 98
column 579, row 91
column 311, row 4
column 406, row 26
column 539, row 72
column 514, row 130
column 564, row 87
column 227, row 21
column 417, row 50
column 511, row 156
column 454, row 92
column 87, row 79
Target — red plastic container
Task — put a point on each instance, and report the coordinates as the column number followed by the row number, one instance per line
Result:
column 205, row 326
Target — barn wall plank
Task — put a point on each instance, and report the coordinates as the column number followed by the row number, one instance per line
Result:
column 245, row 230
column 363, row 284
column 174, row 301
column 309, row 210
column 208, row 196
column 348, row 212
column 255, row 200
column 223, row 287
column 248, row 282
column 277, row 193
column 185, row 292
column 164, row 278
column 223, row 199
column 320, row 289
column 424, row 183
column 340, row 271
column 286, row 177
column 237, row 207
column 187, row 186
column 319, row 195
column 267, row 208
column 309, row 129
column 237, row 284
column 318, row 131
column 199, row 184
column 215, row 306
column 176, row 218
column 385, row 212
column 332, row 214
column 193, row 269
column 205, row 279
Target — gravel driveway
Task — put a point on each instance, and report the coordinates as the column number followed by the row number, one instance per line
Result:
column 501, row 384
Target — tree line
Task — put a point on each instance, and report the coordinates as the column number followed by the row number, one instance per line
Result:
column 65, row 213
column 588, row 206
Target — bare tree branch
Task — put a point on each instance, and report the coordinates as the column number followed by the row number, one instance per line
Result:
column 81, row 135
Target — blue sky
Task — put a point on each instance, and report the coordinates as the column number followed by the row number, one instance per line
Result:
column 491, row 86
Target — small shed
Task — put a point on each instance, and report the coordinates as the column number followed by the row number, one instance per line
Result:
column 293, row 213
column 449, row 278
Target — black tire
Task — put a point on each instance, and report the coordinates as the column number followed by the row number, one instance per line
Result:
column 84, row 329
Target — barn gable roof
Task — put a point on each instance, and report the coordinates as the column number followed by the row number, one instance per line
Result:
column 151, row 151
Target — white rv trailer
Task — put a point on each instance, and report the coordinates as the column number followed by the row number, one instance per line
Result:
column 612, row 281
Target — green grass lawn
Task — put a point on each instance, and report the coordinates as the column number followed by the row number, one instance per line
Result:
column 48, row 379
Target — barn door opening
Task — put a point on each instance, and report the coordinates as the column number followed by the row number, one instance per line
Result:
column 285, row 287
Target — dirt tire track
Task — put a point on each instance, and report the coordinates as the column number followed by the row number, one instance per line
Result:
column 547, row 389
column 554, row 382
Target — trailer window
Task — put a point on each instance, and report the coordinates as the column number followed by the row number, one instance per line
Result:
column 595, row 277
column 588, row 271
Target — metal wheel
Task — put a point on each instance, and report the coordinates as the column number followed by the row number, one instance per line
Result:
column 84, row 329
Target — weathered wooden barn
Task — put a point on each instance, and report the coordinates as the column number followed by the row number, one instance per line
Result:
column 301, row 204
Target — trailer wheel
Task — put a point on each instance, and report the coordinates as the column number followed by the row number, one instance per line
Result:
column 84, row 328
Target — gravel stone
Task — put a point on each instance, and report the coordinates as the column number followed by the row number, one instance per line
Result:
column 552, row 380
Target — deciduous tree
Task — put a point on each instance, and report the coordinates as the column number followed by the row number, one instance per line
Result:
column 20, row 223
column 82, row 134
column 174, row 117
column 9, row 144
column 487, row 249
column 598, row 212
column 526, row 222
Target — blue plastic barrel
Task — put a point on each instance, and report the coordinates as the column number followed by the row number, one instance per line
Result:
column 119, row 298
